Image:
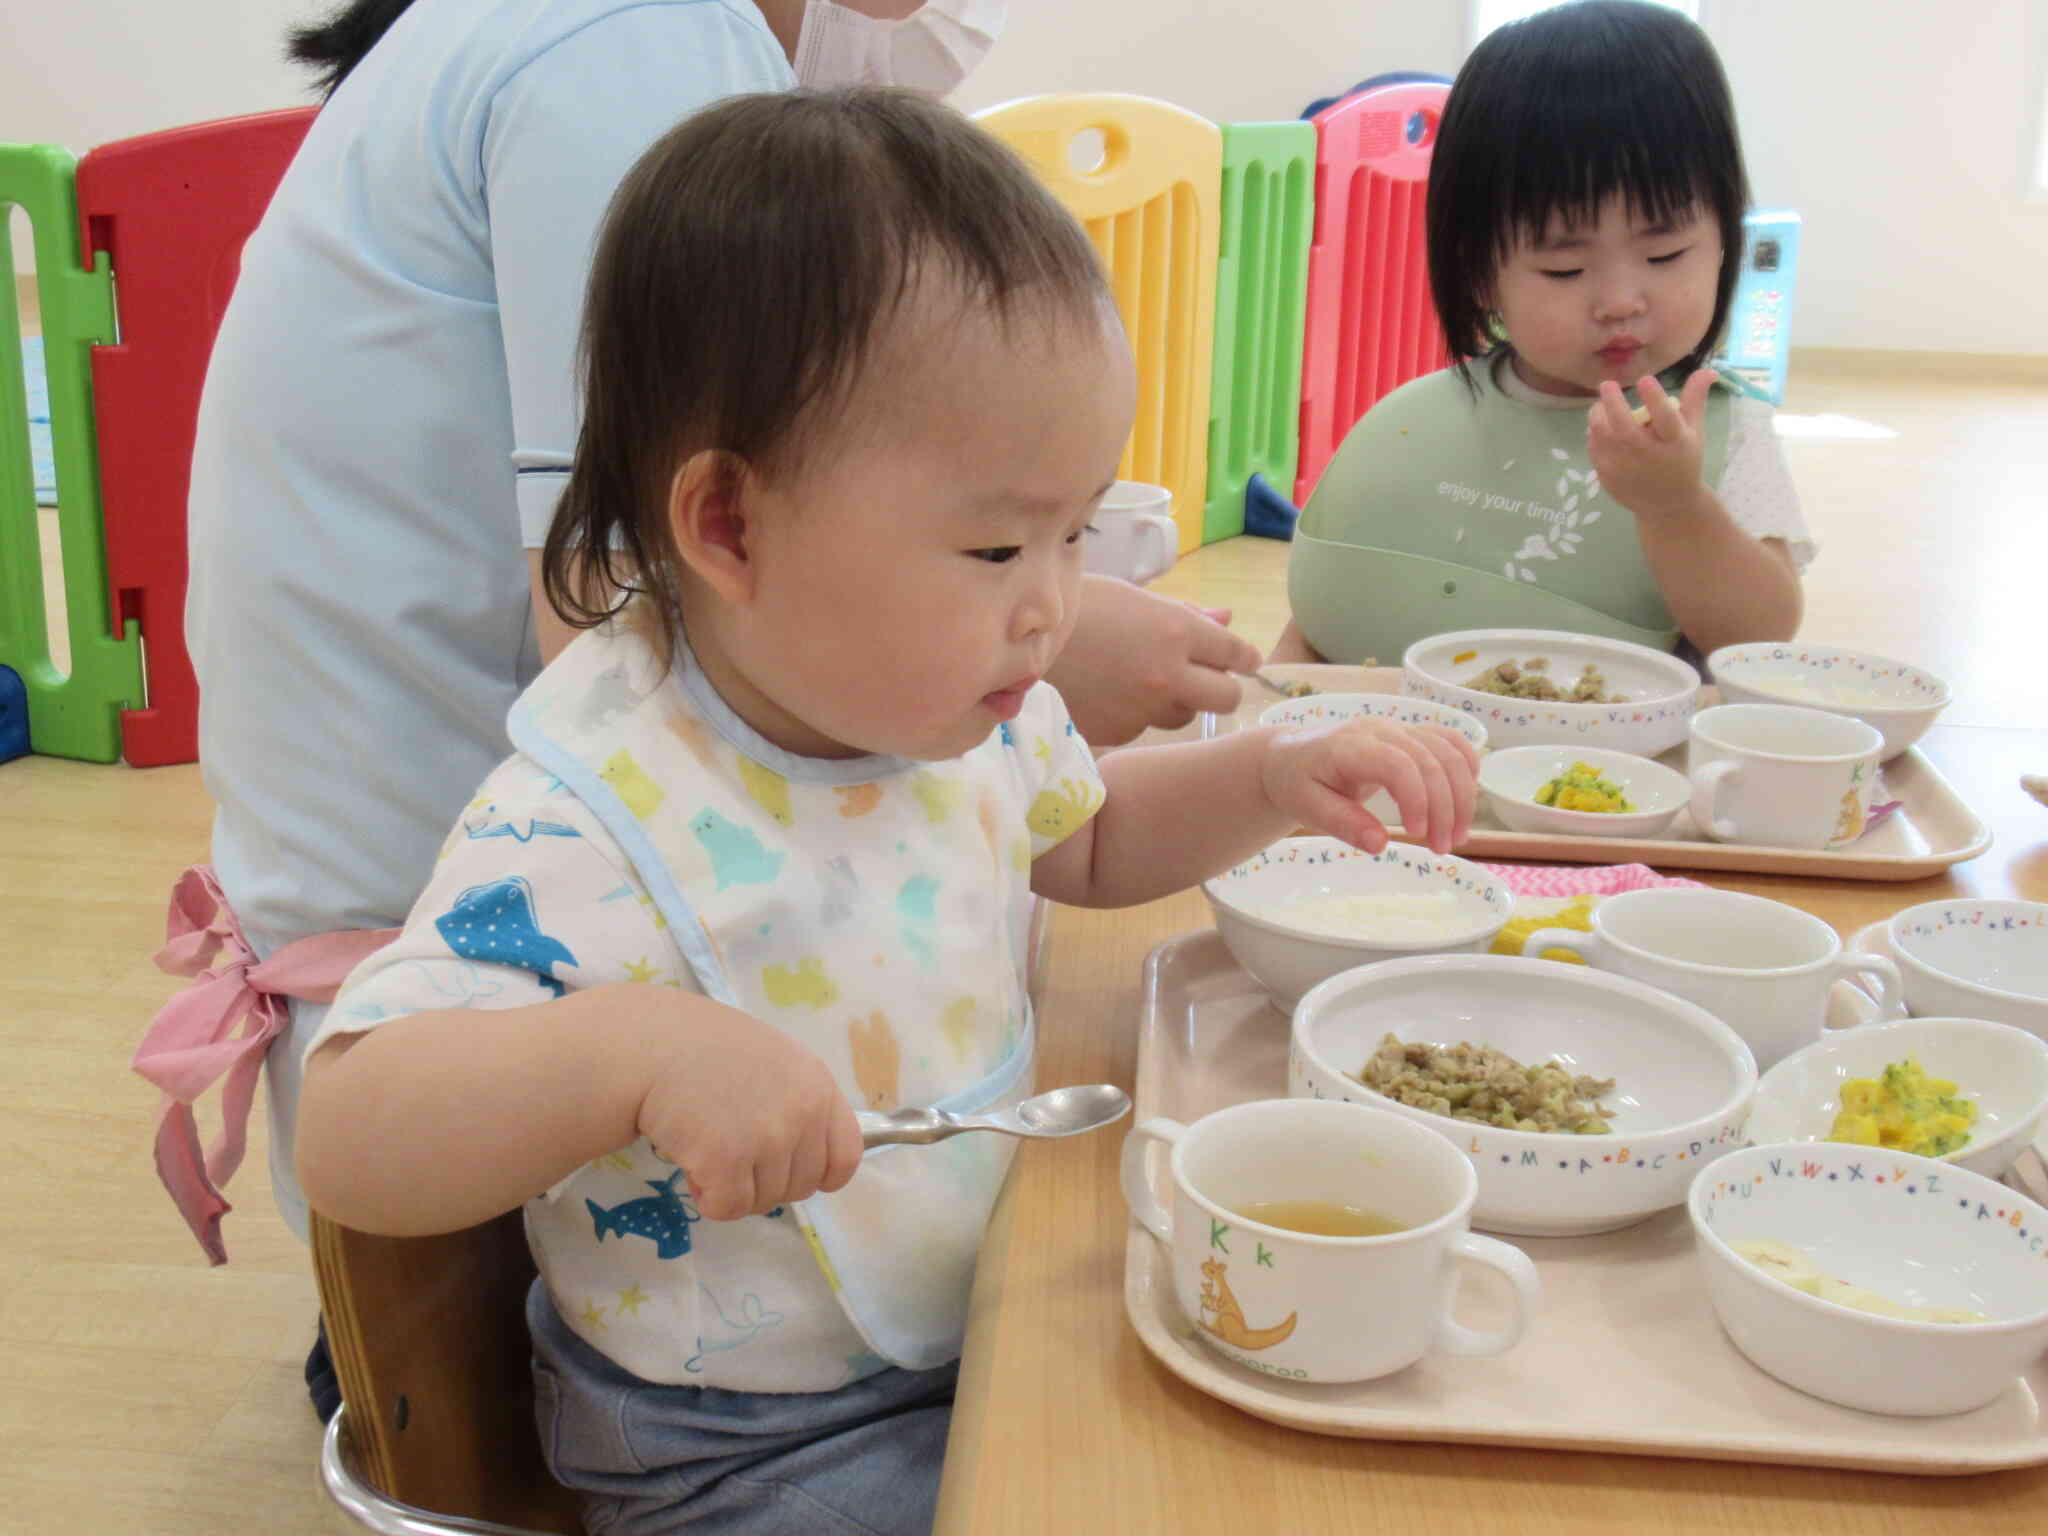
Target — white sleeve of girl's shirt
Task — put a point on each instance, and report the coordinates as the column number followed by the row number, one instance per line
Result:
column 563, row 133
column 1756, row 485
column 531, row 898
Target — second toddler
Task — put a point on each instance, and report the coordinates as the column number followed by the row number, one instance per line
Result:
column 1586, row 198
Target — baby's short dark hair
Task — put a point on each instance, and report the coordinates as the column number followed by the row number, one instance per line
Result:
column 1554, row 114
column 746, row 266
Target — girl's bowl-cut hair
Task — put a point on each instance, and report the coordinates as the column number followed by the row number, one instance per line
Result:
column 744, row 271
column 1553, row 115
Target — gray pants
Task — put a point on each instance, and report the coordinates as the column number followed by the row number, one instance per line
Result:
column 651, row 1459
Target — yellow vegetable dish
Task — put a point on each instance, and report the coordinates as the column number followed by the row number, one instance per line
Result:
column 1577, row 913
column 1580, row 788
column 1905, row 1110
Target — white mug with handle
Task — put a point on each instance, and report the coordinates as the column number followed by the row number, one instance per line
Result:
column 1307, row 1305
column 1763, row 967
column 1779, row 776
column 1133, row 534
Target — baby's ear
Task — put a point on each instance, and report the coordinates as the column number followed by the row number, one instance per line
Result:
column 708, row 522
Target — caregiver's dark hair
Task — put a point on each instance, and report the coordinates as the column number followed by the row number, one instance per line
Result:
column 746, row 268
column 1554, row 114
column 336, row 45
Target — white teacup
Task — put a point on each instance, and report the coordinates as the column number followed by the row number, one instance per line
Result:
column 1780, row 776
column 1761, row 967
column 1134, row 535
column 1314, row 1308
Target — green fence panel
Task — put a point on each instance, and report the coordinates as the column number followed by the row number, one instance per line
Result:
column 75, row 713
column 1261, row 294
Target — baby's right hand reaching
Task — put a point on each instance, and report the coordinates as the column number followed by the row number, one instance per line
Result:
column 1320, row 774
column 754, row 1122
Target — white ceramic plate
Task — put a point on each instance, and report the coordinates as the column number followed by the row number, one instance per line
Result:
column 1509, row 779
column 2003, row 1070
column 1849, row 1004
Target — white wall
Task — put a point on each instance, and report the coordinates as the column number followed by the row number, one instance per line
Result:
column 81, row 72
column 1901, row 131
column 1905, row 134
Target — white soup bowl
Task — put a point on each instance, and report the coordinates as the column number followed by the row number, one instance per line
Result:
column 1975, row 958
column 1899, row 701
column 1334, row 708
column 1910, row 1229
column 1258, row 904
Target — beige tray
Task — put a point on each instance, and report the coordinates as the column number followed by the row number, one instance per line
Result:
column 1626, row 1355
column 1931, row 830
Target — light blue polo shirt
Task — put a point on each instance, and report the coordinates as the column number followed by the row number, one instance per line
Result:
column 387, row 422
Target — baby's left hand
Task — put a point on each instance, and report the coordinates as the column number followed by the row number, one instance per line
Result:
column 1319, row 775
column 1651, row 466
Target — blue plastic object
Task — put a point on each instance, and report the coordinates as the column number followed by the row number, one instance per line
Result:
column 1267, row 513
column 13, row 716
column 42, row 456
column 1757, row 347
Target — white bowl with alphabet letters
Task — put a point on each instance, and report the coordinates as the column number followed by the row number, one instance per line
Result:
column 1654, row 694
column 1887, row 1229
column 1683, row 1080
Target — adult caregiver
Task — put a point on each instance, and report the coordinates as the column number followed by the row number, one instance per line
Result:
column 388, row 419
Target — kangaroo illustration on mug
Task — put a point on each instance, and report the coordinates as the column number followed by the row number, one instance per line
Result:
column 1229, row 1325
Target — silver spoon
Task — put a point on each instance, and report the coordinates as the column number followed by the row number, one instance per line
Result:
column 1062, row 1112
column 1284, row 690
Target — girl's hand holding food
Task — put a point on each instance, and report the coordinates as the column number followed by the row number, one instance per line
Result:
column 1320, row 775
column 1650, row 460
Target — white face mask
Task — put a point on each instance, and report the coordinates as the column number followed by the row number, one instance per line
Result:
column 933, row 49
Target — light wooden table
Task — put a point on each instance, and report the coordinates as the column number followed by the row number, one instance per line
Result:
column 1066, row 1423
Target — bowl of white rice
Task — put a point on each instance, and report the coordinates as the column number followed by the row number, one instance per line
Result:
column 1306, row 908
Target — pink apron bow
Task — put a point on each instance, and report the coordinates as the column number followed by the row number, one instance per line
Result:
column 219, row 1027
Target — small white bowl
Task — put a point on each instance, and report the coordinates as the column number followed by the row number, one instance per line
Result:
column 1908, row 1228
column 2002, row 1069
column 1330, row 708
column 1898, row 701
column 1660, row 692
column 1975, row 958
column 1683, row 1079
column 1287, row 955
column 1510, row 779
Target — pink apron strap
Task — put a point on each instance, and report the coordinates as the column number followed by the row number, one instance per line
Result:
column 219, row 1028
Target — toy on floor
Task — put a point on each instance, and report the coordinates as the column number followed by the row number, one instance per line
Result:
column 13, row 716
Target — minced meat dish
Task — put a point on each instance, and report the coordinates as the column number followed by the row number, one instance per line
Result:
column 1478, row 1083
column 1531, row 680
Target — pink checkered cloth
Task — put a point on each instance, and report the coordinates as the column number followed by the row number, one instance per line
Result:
column 1580, row 879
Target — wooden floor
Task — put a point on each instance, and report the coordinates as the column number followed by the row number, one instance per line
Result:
column 142, row 1392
